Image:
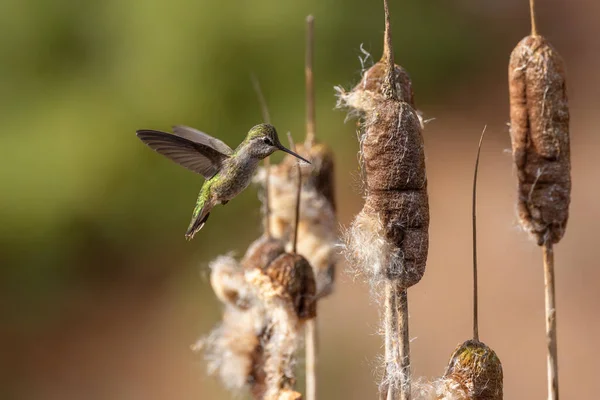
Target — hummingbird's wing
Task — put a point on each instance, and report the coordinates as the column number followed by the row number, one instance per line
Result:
column 194, row 156
column 200, row 137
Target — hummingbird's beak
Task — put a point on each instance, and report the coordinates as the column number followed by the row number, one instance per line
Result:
column 294, row 154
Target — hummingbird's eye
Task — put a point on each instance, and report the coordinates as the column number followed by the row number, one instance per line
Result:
column 268, row 141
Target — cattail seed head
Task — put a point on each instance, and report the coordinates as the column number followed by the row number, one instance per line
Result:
column 539, row 133
column 389, row 238
column 262, row 251
column 476, row 369
column 232, row 348
column 392, row 148
column 317, row 227
column 288, row 278
column 321, row 174
column 228, row 282
column 367, row 94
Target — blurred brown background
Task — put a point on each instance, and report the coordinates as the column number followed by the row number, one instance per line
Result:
column 102, row 296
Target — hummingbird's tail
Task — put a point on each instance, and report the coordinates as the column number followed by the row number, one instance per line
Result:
column 201, row 213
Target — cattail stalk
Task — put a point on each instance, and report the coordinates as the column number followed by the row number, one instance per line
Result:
column 389, row 237
column 396, row 295
column 310, row 87
column 532, row 14
column 310, row 332
column 474, row 371
column 475, row 278
column 539, row 131
column 548, row 256
column 404, row 345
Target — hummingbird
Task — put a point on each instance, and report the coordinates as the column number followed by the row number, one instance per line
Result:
column 227, row 172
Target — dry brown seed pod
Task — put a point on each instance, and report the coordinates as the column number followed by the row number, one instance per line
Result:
column 365, row 96
column 477, row 369
column 389, row 237
column 375, row 86
column 262, row 251
column 392, row 149
column 317, row 237
column 286, row 288
column 539, row 132
column 288, row 278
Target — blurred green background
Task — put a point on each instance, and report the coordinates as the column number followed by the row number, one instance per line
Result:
column 100, row 293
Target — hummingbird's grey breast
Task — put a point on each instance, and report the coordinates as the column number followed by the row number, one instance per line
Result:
column 235, row 175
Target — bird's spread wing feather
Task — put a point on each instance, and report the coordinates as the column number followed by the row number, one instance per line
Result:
column 197, row 136
column 198, row 157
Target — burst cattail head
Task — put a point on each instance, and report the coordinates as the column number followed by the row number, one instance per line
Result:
column 365, row 96
column 539, row 132
column 320, row 177
column 389, row 238
column 228, row 282
column 317, row 228
column 392, row 148
column 233, row 349
column 476, row 369
column 396, row 212
column 288, row 278
column 262, row 251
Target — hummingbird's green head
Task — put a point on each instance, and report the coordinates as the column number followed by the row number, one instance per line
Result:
column 262, row 141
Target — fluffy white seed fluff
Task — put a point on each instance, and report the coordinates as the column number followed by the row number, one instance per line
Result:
column 366, row 247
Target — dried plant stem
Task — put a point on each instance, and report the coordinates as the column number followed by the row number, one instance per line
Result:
column 310, row 332
column 404, row 345
column 532, row 13
column 267, row 216
column 311, row 344
column 267, row 120
column 548, row 255
column 389, row 86
column 475, row 288
column 391, row 337
column 298, row 194
column 310, row 87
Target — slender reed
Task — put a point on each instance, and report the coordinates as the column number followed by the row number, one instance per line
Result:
column 539, row 114
column 532, row 14
column 310, row 87
column 474, row 370
column 548, row 256
column 474, row 210
column 310, row 332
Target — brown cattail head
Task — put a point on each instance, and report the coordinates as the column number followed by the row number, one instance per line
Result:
column 286, row 288
column 476, row 369
column 365, row 96
column 390, row 236
column 317, row 229
column 235, row 348
column 539, row 131
column 262, row 251
column 289, row 278
column 320, row 176
column 392, row 149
